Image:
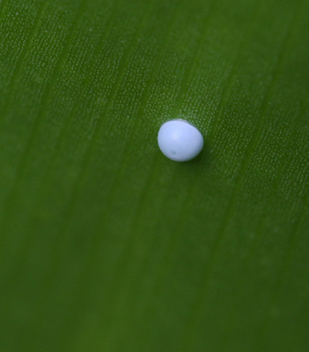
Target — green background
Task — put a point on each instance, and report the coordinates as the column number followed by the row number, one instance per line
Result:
column 105, row 244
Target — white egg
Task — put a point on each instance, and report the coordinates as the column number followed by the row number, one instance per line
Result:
column 180, row 141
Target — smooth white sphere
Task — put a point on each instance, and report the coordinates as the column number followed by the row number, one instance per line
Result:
column 180, row 141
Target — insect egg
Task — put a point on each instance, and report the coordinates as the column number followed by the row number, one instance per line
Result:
column 180, row 141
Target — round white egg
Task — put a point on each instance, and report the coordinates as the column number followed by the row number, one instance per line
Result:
column 180, row 141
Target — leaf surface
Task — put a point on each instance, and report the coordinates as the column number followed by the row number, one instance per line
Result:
column 105, row 244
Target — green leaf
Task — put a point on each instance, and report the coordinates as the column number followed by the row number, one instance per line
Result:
column 105, row 244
